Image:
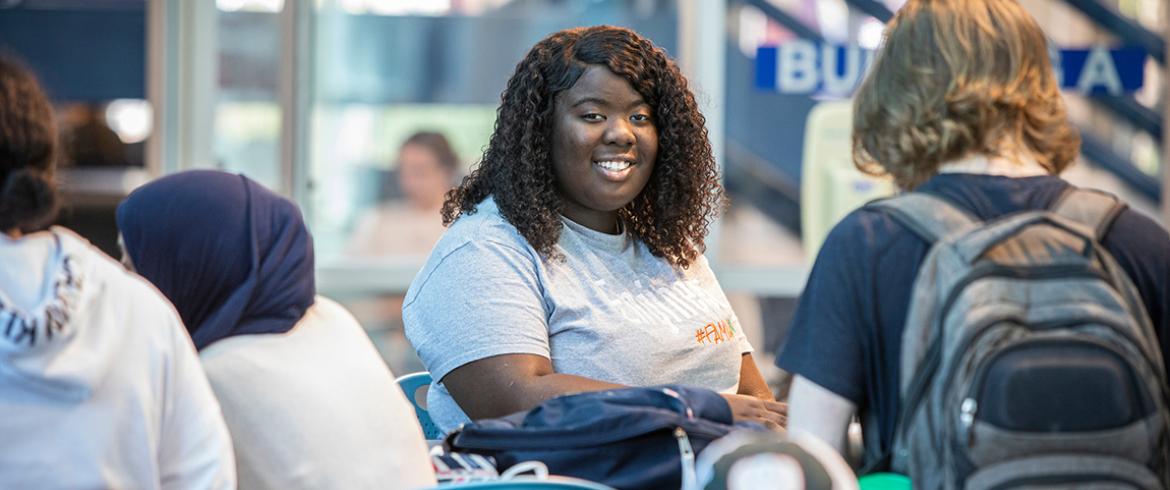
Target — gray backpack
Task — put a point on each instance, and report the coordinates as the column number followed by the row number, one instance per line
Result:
column 1028, row 359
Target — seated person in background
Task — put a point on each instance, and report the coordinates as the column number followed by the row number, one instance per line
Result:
column 403, row 228
column 574, row 259
column 307, row 400
column 99, row 385
column 426, row 171
column 961, row 103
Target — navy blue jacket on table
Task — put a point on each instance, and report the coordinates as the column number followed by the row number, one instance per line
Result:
column 847, row 332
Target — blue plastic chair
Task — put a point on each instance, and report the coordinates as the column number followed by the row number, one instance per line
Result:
column 416, row 385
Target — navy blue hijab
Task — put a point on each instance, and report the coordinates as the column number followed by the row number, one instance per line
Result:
column 233, row 257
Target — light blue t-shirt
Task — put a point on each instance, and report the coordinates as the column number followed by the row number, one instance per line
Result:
column 610, row 310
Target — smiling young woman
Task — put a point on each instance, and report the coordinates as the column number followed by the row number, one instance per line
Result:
column 573, row 261
column 604, row 146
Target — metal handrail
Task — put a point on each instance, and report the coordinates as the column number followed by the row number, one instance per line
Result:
column 1128, row 31
column 783, row 18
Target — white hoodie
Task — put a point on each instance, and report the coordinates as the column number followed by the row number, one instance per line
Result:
column 100, row 385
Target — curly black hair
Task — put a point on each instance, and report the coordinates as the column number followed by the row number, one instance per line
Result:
column 671, row 214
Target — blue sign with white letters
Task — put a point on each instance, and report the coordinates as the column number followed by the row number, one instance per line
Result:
column 806, row 67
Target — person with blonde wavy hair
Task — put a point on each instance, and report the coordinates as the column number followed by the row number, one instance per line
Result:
column 961, row 103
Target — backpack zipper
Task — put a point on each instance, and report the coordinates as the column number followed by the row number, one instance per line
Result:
column 967, row 411
column 687, row 453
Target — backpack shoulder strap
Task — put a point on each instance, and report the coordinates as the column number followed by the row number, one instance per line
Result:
column 1092, row 208
column 928, row 216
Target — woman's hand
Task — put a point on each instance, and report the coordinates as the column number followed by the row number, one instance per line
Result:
column 773, row 415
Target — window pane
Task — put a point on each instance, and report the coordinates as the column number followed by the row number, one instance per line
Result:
column 247, row 111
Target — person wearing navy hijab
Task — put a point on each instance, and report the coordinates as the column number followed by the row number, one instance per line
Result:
column 307, row 399
column 233, row 257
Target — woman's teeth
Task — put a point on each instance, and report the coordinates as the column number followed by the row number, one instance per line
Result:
column 615, row 166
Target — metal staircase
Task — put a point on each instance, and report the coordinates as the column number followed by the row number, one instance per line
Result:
column 764, row 167
column 1124, row 108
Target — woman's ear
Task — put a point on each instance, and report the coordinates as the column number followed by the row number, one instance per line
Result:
column 129, row 264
